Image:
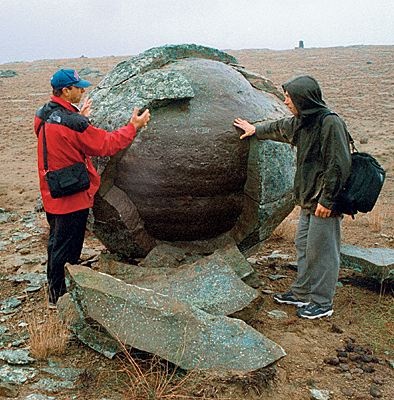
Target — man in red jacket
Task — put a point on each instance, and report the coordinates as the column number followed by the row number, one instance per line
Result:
column 70, row 138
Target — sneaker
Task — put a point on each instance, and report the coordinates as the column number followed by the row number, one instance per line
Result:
column 289, row 298
column 313, row 311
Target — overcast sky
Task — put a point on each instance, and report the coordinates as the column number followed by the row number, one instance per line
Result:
column 41, row 29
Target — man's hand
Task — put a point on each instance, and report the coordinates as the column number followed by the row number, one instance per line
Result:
column 322, row 211
column 140, row 121
column 86, row 108
column 248, row 128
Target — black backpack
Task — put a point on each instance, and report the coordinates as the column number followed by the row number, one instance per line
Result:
column 362, row 189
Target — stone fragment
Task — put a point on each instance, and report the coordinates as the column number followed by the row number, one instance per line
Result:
column 162, row 325
column 16, row 356
column 69, row 374
column 35, row 281
column 317, row 394
column 94, row 338
column 16, row 375
column 9, row 305
column 39, row 397
column 211, row 283
column 375, row 391
column 344, row 367
column 52, row 385
column 179, row 253
column 7, row 73
column 275, row 277
column 208, row 284
column 376, row 263
column 277, row 314
column 332, row 360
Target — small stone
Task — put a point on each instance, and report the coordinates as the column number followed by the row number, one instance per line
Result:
column 354, row 357
column 267, row 291
column 342, row 354
column 359, row 350
column 332, row 360
column 320, row 394
column 349, row 346
column 344, row 367
column 356, row 371
column 366, row 358
column 252, row 260
column 368, row 368
column 348, row 392
column 278, row 314
column 374, row 391
column 24, row 251
column 343, row 360
column 336, row 329
column 253, row 281
column 275, row 277
column 348, row 376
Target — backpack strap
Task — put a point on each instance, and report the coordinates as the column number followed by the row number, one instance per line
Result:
column 350, row 139
column 44, row 118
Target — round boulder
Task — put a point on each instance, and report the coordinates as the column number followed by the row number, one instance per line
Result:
column 188, row 176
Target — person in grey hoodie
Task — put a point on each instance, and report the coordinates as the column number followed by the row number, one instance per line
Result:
column 323, row 165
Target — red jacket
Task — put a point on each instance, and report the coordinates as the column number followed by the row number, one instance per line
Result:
column 70, row 139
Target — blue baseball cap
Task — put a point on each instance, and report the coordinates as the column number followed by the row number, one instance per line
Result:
column 68, row 77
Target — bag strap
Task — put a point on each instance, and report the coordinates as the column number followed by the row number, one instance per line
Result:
column 44, row 149
column 353, row 148
column 44, row 141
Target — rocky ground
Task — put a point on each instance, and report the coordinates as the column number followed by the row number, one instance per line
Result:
column 349, row 355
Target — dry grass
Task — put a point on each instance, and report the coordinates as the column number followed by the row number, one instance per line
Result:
column 157, row 379
column 376, row 219
column 154, row 379
column 373, row 316
column 48, row 335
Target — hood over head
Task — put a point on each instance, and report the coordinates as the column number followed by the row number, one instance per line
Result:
column 306, row 95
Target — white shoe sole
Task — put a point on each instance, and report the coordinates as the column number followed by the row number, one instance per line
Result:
column 326, row 314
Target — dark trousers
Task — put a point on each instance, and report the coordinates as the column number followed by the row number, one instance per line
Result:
column 66, row 235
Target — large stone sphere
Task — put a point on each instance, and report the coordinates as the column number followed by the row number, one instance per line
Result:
column 188, row 176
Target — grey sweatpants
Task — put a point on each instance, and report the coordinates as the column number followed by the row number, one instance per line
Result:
column 318, row 258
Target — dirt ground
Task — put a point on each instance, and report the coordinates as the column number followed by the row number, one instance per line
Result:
column 357, row 83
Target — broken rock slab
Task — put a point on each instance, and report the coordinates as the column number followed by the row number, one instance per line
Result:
column 376, row 263
column 211, row 283
column 208, row 284
column 16, row 375
column 178, row 253
column 16, row 356
column 94, row 337
column 160, row 324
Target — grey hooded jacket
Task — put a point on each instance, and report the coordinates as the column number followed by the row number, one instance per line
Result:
column 323, row 154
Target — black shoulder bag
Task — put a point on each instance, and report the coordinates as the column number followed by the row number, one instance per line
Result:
column 64, row 181
column 362, row 188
